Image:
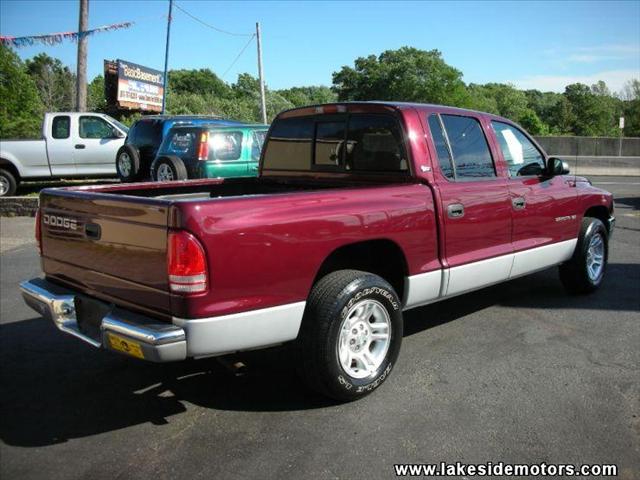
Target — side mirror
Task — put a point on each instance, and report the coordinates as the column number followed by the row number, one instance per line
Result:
column 556, row 166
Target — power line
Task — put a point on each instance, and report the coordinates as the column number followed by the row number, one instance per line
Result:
column 202, row 22
column 239, row 55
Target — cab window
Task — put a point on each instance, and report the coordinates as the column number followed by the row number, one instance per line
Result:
column 61, row 127
column 521, row 155
column 95, row 127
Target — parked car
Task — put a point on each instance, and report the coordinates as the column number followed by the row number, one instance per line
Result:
column 133, row 160
column 209, row 151
column 361, row 211
column 72, row 145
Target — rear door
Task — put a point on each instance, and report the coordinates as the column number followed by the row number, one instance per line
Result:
column 475, row 201
column 95, row 145
column 112, row 249
column 60, row 146
column 545, row 220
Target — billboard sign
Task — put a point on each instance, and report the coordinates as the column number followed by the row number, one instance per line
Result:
column 139, row 87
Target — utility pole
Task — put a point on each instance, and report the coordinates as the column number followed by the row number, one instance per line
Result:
column 81, row 74
column 166, row 60
column 263, row 103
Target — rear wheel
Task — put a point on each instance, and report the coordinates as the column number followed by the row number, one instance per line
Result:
column 585, row 271
column 351, row 334
column 8, row 184
column 128, row 164
column 167, row 169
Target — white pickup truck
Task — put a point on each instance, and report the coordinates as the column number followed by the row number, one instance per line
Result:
column 72, row 145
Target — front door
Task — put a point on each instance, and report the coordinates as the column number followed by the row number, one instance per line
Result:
column 545, row 221
column 476, row 206
column 95, row 146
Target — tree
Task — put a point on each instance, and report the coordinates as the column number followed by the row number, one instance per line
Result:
column 55, row 82
column 631, row 108
column 313, row 95
column 20, row 108
column 594, row 114
column 96, row 101
column 199, row 82
column 406, row 74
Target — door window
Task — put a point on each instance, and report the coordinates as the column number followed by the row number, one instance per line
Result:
column 469, row 148
column 95, row 127
column 442, row 149
column 257, row 140
column 521, row 155
column 61, row 127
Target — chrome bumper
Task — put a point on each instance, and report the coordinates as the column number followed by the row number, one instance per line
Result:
column 611, row 223
column 159, row 342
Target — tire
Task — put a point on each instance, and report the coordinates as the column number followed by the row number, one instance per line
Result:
column 8, row 183
column 582, row 274
column 128, row 163
column 167, row 169
column 326, row 342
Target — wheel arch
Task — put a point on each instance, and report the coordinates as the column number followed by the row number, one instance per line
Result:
column 11, row 167
column 381, row 257
column 601, row 212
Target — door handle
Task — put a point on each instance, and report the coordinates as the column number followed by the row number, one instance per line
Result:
column 80, row 146
column 455, row 210
column 518, row 203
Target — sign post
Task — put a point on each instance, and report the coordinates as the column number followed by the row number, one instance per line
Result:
column 621, row 127
column 166, row 60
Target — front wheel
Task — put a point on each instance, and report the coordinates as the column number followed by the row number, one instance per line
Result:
column 585, row 271
column 351, row 334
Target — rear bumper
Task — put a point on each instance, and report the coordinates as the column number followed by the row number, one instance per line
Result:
column 158, row 342
column 164, row 342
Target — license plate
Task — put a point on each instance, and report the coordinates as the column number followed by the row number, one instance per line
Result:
column 124, row 345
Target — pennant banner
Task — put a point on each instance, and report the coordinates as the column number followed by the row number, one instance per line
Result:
column 55, row 38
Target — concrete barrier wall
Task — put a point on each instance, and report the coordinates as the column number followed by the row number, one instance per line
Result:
column 596, row 155
column 591, row 146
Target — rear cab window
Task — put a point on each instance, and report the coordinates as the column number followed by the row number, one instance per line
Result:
column 61, row 127
column 358, row 142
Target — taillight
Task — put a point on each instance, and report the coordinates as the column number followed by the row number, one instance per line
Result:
column 186, row 263
column 203, row 147
column 38, row 233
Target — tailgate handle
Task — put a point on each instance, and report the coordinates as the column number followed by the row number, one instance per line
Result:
column 80, row 146
column 93, row 231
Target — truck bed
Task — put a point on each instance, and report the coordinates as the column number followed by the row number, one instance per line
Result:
column 262, row 236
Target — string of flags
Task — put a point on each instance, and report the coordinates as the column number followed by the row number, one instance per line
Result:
column 55, row 38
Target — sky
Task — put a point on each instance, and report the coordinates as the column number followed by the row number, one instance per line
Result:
column 543, row 45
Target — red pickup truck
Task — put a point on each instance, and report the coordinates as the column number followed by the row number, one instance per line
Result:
column 361, row 211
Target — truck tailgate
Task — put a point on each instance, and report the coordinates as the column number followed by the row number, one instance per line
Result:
column 110, row 248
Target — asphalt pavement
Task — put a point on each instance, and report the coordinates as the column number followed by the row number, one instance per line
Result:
column 519, row 373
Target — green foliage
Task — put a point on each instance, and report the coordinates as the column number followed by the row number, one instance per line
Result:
column 631, row 108
column 20, row 106
column 201, row 82
column 314, row 95
column 56, row 83
column 406, row 74
column 95, row 95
